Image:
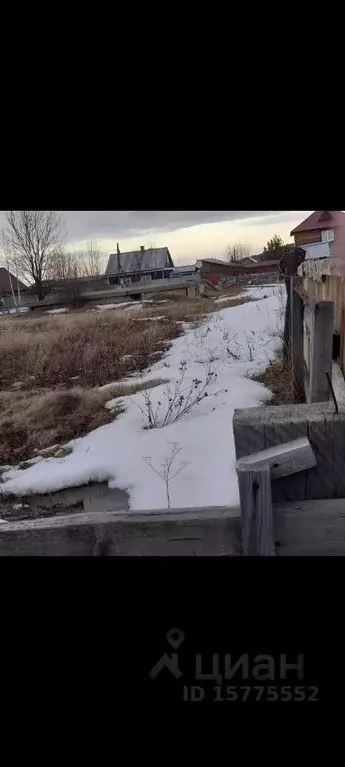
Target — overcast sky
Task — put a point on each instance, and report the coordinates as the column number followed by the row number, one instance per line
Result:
column 187, row 234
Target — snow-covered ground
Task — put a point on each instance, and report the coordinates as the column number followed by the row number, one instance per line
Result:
column 16, row 310
column 234, row 343
column 223, row 299
column 62, row 310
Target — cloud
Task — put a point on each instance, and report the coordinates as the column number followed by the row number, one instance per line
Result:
column 93, row 224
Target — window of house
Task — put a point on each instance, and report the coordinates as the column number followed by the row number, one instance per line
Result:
column 327, row 235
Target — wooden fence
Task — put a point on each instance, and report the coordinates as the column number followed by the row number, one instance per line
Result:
column 292, row 493
column 330, row 288
column 311, row 343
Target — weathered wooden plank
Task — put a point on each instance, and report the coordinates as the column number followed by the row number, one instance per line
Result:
column 285, row 423
column 249, row 435
column 284, row 459
column 310, row 528
column 321, row 350
column 279, row 413
column 256, row 510
column 320, row 479
column 297, row 355
column 338, row 382
column 277, row 432
column 339, row 455
column 178, row 532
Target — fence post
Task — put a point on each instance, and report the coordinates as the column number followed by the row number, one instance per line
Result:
column 296, row 334
column 256, row 510
column 321, row 348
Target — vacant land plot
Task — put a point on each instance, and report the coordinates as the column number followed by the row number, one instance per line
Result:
column 52, row 366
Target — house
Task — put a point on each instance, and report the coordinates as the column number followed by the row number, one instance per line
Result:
column 213, row 269
column 321, row 226
column 9, row 284
column 185, row 273
column 141, row 265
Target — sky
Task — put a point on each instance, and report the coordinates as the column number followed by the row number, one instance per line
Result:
column 188, row 234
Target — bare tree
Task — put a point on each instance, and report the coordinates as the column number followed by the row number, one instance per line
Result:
column 237, row 251
column 91, row 261
column 29, row 240
column 63, row 266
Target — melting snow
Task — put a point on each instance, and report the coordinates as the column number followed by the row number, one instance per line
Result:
column 236, row 342
column 63, row 310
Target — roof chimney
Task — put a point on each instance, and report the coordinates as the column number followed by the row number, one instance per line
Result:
column 142, row 248
column 326, row 216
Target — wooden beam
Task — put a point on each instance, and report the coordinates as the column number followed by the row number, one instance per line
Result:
column 322, row 327
column 176, row 532
column 285, row 459
column 297, row 356
column 256, row 510
column 310, row 528
column 338, row 382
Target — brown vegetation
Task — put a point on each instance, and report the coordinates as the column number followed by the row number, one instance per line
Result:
column 31, row 421
column 50, row 367
column 278, row 378
column 93, row 349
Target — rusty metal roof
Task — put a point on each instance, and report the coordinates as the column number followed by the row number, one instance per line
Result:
column 139, row 261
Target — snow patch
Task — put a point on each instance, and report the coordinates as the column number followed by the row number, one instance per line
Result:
column 63, row 310
column 235, row 341
column 227, row 298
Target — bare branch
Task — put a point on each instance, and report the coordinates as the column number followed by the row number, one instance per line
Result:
column 91, row 261
column 237, row 251
column 166, row 466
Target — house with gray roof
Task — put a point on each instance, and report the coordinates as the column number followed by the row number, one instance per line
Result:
column 141, row 266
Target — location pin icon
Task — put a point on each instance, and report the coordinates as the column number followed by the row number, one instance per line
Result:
column 175, row 637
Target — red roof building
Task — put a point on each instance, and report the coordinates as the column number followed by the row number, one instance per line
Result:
column 321, row 226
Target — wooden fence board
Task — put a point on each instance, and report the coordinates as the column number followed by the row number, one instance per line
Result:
column 256, row 510
column 339, row 455
column 283, row 459
column 178, row 532
column 310, row 528
column 287, row 430
column 297, row 355
column 320, row 480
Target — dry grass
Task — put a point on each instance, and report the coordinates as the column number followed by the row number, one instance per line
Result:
column 278, row 378
column 93, row 349
column 33, row 420
column 57, row 361
column 194, row 309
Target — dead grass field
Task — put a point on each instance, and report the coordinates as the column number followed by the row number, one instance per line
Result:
column 91, row 349
column 278, row 378
column 31, row 421
column 51, row 365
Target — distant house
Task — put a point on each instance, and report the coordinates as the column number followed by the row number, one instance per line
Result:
column 7, row 279
column 213, row 269
column 141, row 265
column 321, row 226
column 185, row 272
